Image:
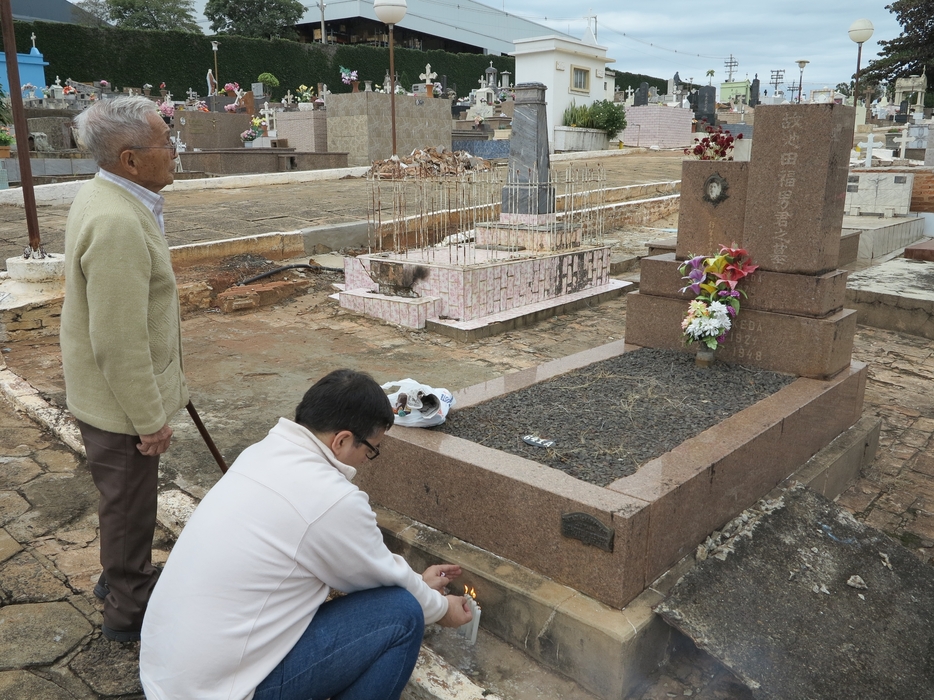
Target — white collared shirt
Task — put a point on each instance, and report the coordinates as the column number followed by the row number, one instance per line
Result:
column 153, row 201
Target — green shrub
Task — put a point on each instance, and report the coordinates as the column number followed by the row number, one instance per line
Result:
column 608, row 116
column 602, row 114
column 268, row 79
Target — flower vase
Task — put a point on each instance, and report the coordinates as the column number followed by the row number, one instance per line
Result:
column 306, row 106
column 704, row 357
column 356, row 85
column 4, row 151
column 429, row 90
column 367, row 86
column 248, row 144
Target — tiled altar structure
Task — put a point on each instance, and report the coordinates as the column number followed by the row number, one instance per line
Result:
column 499, row 248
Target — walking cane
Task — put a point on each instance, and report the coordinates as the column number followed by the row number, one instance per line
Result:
column 207, row 438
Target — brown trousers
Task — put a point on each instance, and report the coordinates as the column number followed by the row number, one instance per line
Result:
column 127, row 481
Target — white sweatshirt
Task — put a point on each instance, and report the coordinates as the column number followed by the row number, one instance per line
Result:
column 255, row 562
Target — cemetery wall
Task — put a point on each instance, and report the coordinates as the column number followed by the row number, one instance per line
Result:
column 130, row 58
column 922, row 192
column 657, row 125
column 359, row 125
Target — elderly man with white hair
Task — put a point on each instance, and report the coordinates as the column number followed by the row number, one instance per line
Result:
column 121, row 341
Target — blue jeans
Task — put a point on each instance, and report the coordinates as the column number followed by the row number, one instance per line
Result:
column 362, row 646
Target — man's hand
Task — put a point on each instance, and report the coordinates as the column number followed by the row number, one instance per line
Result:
column 458, row 613
column 156, row 443
column 440, row 575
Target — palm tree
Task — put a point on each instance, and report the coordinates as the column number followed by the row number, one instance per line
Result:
column 710, row 74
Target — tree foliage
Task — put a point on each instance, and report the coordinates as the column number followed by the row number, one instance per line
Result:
column 98, row 8
column 161, row 15
column 259, row 19
column 911, row 51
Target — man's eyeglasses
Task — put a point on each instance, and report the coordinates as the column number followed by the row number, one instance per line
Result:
column 171, row 147
column 373, row 450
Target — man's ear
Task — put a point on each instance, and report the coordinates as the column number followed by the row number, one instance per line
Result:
column 128, row 161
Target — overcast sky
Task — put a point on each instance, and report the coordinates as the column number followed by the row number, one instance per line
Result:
column 661, row 37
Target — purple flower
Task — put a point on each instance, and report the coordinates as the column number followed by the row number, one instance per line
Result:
column 721, row 338
column 731, row 311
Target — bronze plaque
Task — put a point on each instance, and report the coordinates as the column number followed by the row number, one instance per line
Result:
column 587, row 529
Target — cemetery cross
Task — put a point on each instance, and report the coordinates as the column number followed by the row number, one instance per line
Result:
column 868, row 144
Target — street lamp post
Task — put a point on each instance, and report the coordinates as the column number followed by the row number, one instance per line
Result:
column 214, row 45
column 391, row 12
column 860, row 31
column 801, row 65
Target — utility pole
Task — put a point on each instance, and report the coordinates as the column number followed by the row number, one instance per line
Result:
column 34, row 249
column 324, row 36
column 778, row 77
column 730, row 64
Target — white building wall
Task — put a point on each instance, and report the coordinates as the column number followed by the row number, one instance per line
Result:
column 552, row 60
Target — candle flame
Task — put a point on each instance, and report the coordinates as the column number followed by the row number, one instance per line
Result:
column 472, row 592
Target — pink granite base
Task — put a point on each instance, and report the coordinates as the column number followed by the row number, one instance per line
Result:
column 778, row 292
column 513, row 507
column 800, row 345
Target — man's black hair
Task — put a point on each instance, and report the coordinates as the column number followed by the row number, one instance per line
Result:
column 345, row 400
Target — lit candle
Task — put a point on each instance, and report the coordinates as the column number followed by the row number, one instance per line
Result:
column 469, row 629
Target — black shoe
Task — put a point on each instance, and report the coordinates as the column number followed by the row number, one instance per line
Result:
column 101, row 588
column 120, row 635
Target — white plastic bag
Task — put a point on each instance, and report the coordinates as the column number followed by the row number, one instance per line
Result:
column 418, row 405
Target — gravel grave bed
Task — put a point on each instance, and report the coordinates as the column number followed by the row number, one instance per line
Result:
column 609, row 418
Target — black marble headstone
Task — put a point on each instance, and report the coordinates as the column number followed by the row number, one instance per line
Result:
column 706, row 109
column 754, row 92
column 642, row 96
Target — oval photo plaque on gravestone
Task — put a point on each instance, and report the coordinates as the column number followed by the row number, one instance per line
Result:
column 587, row 529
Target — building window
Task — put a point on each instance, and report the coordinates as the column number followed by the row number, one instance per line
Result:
column 580, row 79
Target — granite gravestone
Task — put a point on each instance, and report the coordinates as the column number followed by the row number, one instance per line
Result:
column 706, row 109
column 528, row 194
column 713, row 206
column 642, row 96
column 800, row 161
column 793, row 320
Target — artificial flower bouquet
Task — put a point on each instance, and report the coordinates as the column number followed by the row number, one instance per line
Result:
column 713, row 281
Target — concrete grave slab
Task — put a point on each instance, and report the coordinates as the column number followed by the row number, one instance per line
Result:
column 781, row 605
column 897, row 295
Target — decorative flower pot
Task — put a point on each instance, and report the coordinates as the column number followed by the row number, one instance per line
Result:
column 4, row 151
column 306, row 106
column 231, row 93
column 367, row 86
column 704, row 357
column 147, row 91
column 356, row 85
column 248, row 144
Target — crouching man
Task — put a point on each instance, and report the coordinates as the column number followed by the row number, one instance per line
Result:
column 239, row 611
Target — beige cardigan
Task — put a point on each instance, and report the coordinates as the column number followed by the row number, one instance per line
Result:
column 121, row 322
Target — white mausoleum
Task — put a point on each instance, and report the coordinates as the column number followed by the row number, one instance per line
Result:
column 572, row 70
